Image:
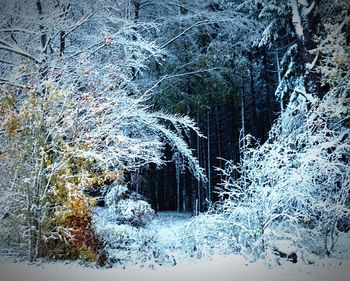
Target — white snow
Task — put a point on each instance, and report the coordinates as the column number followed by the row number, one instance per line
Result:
column 219, row 268
column 159, row 242
column 169, row 226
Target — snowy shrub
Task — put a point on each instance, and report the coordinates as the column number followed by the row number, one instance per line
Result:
column 136, row 213
column 296, row 184
column 208, row 234
column 96, row 107
column 128, row 207
column 125, row 244
column 72, row 223
column 115, row 194
column 46, row 149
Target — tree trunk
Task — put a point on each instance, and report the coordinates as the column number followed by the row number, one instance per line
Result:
column 279, row 78
column 253, row 97
column 137, row 7
column 305, row 26
column 184, row 195
column 243, row 132
column 208, row 152
column 198, row 200
column 218, row 139
column 43, row 38
column 177, row 167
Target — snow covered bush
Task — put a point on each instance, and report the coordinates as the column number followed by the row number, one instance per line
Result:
column 114, row 194
column 295, row 186
column 72, row 221
column 128, row 207
column 125, row 244
column 208, row 234
column 137, row 213
column 33, row 153
column 294, row 189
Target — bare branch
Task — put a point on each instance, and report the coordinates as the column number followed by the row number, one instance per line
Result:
column 78, row 24
column 17, row 29
column 204, row 22
column 6, row 62
column 18, row 51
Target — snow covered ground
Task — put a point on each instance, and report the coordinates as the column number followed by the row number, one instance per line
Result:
column 158, row 243
column 219, row 268
column 168, row 227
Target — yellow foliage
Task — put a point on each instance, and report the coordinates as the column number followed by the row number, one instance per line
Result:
column 72, row 212
column 87, row 254
column 48, row 84
column 12, row 124
column 71, row 206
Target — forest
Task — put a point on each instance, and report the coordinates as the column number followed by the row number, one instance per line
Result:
column 155, row 131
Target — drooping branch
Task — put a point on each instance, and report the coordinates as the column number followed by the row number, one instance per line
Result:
column 204, row 22
column 18, row 29
column 17, row 50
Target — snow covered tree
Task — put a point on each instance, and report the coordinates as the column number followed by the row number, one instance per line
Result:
column 72, row 119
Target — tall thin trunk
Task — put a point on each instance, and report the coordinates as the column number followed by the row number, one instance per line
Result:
column 184, row 196
column 204, row 164
column 243, row 133
column 63, row 32
column 31, row 231
column 253, row 97
column 128, row 9
column 219, row 139
column 62, row 42
column 243, row 111
column 279, row 78
column 268, row 95
column 198, row 209
column 43, row 38
column 305, row 25
column 192, row 191
column 208, row 151
column 177, row 167
column 137, row 7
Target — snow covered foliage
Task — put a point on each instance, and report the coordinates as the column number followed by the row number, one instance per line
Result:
column 120, row 227
column 128, row 208
column 114, row 195
column 137, row 213
column 73, row 117
column 125, row 244
column 295, row 186
column 291, row 194
column 81, row 87
column 79, row 127
column 208, row 234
